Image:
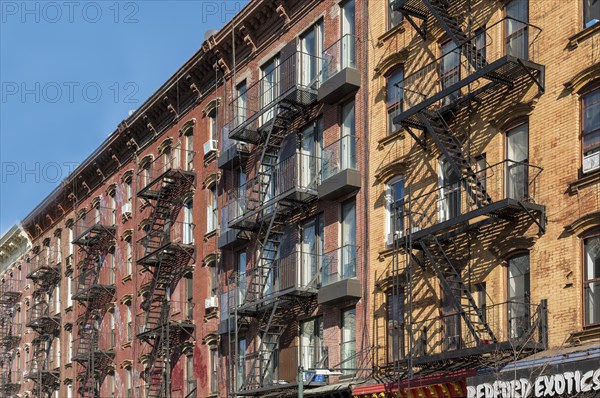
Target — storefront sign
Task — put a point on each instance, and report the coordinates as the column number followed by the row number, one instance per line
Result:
column 566, row 380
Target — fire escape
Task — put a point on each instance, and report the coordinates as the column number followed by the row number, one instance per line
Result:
column 10, row 336
column 94, row 291
column 164, row 252
column 43, row 319
column 280, row 184
column 478, row 199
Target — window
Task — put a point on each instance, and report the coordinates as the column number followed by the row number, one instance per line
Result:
column 312, row 244
column 189, row 296
column 189, row 376
column 56, row 296
column 517, row 158
column 70, row 240
column 395, row 209
column 113, row 208
column 348, row 142
column 241, row 269
column 518, row 295
column 128, row 191
column 311, row 345
column 480, row 43
column 212, row 124
column 348, row 346
column 395, row 324
column 348, row 229
column 269, row 87
column 591, row 129
column 516, row 35
column 241, row 365
column 128, row 385
column 394, row 17
column 348, row 33
column 394, row 97
column 112, row 269
column 188, row 222
column 481, row 171
column 311, row 48
column 591, row 278
column 58, row 249
column 448, row 190
column 129, row 323
column 214, row 375
column 189, row 149
column 113, row 332
column 212, row 215
column 451, row 319
column 449, row 70
column 128, row 256
column 70, row 391
column 241, row 103
column 70, row 346
column 591, row 12
column 167, row 157
column 146, row 173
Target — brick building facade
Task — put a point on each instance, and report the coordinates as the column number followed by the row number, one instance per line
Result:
column 332, row 199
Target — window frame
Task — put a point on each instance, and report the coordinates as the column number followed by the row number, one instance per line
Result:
column 392, row 108
column 583, row 22
column 584, row 281
column 526, row 293
column 591, row 89
column 388, row 16
column 391, row 351
column 388, row 209
column 344, row 362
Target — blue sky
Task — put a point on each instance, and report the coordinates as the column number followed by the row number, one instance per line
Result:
column 71, row 71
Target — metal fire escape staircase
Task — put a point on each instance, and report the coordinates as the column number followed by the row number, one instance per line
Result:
column 94, row 295
column 165, row 260
column 271, row 212
column 428, row 116
column 10, row 335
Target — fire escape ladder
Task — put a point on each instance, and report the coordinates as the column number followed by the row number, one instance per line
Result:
column 451, row 147
column 453, row 284
column 263, row 358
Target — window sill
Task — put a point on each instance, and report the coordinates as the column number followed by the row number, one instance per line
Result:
column 583, row 35
column 210, row 234
column 398, row 135
column 587, row 334
column 586, row 180
column 400, row 28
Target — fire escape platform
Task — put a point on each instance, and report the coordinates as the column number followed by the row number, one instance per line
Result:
column 264, row 304
column 296, row 96
column 105, row 357
column 154, row 258
column 9, row 297
column 171, row 174
column 93, row 234
column 491, row 354
column 93, row 292
column 506, row 208
column 45, row 324
column 44, row 272
column 504, row 71
column 176, row 328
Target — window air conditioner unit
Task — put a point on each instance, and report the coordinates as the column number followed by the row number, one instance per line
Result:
column 591, row 162
column 211, row 303
column 126, row 208
column 210, row 146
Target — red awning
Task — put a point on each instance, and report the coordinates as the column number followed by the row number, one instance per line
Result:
column 447, row 385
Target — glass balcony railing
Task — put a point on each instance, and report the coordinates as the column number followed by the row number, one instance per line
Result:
column 339, row 156
column 340, row 55
column 339, row 264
